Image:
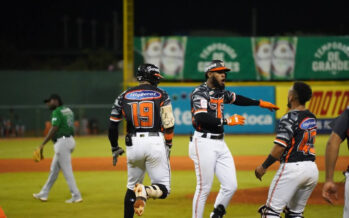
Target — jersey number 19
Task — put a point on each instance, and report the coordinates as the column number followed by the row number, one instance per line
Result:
column 142, row 114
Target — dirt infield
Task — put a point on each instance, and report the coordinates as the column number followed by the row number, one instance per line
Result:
column 177, row 163
column 259, row 196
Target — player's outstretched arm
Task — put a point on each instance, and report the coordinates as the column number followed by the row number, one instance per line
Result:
column 274, row 155
column 245, row 101
column 329, row 190
column 268, row 105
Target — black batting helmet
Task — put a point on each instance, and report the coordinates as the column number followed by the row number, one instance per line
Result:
column 149, row 72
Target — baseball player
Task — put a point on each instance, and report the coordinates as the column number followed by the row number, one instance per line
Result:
column 150, row 123
column 294, row 148
column 207, row 148
column 340, row 131
column 61, row 133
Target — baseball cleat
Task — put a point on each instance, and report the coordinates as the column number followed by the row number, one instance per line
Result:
column 141, row 198
column 40, row 197
column 74, row 200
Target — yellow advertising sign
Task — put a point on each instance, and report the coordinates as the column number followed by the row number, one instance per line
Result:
column 327, row 101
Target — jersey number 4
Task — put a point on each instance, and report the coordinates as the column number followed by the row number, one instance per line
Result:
column 142, row 114
column 307, row 143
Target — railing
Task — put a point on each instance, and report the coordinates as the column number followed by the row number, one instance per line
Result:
column 33, row 120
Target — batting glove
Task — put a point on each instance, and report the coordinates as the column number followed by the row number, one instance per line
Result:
column 266, row 104
column 168, row 149
column 234, row 120
column 116, row 153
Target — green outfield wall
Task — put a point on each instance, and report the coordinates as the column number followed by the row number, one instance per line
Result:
column 90, row 94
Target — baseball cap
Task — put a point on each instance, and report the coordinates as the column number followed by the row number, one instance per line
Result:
column 216, row 65
column 53, row 96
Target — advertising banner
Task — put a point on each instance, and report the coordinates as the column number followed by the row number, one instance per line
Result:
column 258, row 120
column 249, row 58
column 322, row 58
column 274, row 57
column 168, row 53
column 234, row 51
column 327, row 103
column 186, row 57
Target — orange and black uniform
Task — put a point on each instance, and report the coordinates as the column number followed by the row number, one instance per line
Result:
column 340, row 125
column 207, row 107
column 296, row 132
column 140, row 106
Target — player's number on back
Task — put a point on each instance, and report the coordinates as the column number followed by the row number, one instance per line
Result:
column 142, row 114
column 307, row 143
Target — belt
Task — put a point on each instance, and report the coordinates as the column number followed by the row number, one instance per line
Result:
column 210, row 135
column 64, row 136
column 220, row 136
column 144, row 134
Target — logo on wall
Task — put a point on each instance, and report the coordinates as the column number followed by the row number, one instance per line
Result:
column 332, row 57
column 219, row 51
column 167, row 53
column 274, row 57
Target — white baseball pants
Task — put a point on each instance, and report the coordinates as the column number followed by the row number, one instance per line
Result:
column 346, row 196
column 292, row 185
column 211, row 156
column 62, row 161
column 148, row 154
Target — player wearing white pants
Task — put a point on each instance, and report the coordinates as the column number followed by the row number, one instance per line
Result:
column 207, row 148
column 292, row 185
column 297, row 176
column 340, row 132
column 61, row 133
column 211, row 157
column 150, row 123
column 346, row 196
column 62, row 161
column 148, row 153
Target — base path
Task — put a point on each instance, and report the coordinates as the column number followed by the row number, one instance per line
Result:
column 177, row 163
column 259, row 196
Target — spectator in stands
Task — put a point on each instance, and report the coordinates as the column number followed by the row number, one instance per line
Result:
column 93, row 126
column 2, row 127
column 19, row 126
column 84, row 126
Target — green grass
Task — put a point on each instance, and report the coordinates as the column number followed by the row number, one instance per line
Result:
column 98, row 146
column 103, row 191
column 103, row 194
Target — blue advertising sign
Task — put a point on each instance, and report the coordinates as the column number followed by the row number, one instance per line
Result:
column 258, row 120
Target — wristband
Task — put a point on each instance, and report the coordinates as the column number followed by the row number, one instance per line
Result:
column 269, row 161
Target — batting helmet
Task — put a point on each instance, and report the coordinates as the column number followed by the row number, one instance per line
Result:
column 149, row 72
column 216, row 65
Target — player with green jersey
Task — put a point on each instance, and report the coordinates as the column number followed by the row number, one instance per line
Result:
column 63, row 118
column 61, row 133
